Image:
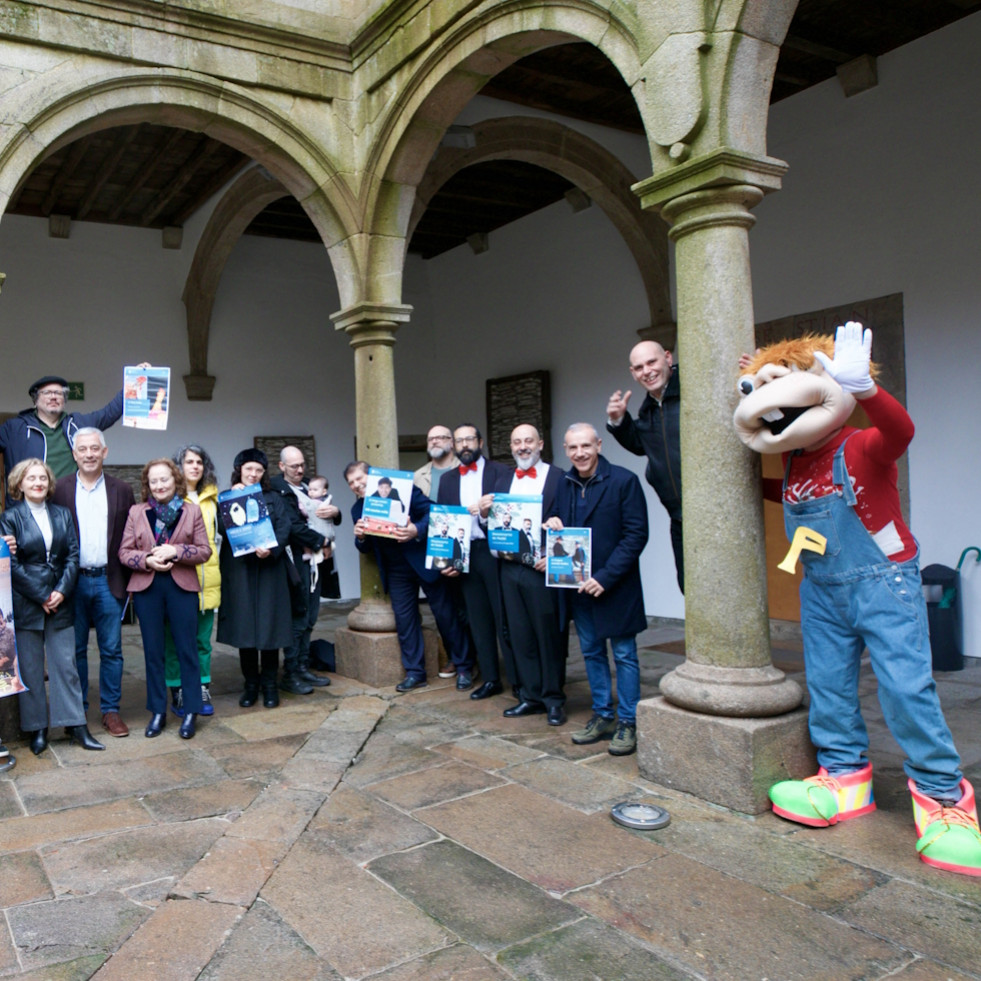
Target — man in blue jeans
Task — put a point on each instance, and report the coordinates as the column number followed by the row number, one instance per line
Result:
column 99, row 505
column 609, row 605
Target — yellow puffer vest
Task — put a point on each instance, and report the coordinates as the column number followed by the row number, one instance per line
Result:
column 208, row 574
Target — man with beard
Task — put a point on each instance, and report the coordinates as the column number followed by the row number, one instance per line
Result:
column 655, row 433
column 442, row 459
column 530, row 607
column 471, row 485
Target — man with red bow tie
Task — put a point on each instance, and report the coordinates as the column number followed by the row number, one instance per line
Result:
column 530, row 607
column 471, row 485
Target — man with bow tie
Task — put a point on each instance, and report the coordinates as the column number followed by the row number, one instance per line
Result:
column 471, row 485
column 530, row 607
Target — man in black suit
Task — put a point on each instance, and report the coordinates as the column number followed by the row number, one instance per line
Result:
column 99, row 505
column 471, row 485
column 531, row 608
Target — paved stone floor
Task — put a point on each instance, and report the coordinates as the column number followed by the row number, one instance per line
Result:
column 354, row 833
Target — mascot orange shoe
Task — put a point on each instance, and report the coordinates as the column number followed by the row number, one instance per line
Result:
column 861, row 587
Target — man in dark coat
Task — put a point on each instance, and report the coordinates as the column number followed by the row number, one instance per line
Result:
column 609, row 605
column 297, row 676
column 471, row 485
column 530, row 607
column 99, row 506
column 402, row 563
column 655, row 433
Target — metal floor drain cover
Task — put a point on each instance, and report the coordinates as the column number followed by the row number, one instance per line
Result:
column 641, row 817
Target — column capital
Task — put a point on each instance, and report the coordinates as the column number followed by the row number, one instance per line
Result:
column 372, row 323
column 719, row 168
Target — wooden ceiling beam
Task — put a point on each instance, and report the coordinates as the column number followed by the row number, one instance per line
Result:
column 210, row 187
column 794, row 42
column 179, row 181
column 120, row 146
column 156, row 159
column 65, row 171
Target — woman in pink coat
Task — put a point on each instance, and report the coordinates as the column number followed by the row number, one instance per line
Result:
column 164, row 540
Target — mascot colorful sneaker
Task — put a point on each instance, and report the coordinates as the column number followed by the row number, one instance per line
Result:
column 861, row 587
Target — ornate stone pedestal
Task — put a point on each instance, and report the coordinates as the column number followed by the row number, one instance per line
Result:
column 729, row 761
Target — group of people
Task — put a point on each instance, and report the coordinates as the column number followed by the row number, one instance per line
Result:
column 81, row 545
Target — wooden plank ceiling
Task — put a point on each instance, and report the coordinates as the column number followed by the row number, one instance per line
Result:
column 153, row 176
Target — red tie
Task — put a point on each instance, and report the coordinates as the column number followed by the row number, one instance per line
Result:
column 465, row 467
column 530, row 472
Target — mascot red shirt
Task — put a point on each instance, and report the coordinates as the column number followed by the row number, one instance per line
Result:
column 861, row 588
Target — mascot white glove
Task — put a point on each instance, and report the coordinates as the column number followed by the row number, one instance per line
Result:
column 853, row 355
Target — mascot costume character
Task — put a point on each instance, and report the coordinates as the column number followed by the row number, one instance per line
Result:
column 861, row 588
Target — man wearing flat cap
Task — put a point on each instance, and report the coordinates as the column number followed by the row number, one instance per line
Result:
column 47, row 431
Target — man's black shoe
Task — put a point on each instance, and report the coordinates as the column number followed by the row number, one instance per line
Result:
column 464, row 680
column 295, row 684
column 308, row 677
column 524, row 708
column 556, row 716
column 487, row 689
column 408, row 684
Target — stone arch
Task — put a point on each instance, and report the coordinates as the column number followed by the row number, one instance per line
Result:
column 244, row 199
column 69, row 107
column 586, row 164
column 444, row 80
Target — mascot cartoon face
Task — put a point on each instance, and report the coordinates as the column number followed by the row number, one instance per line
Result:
column 788, row 401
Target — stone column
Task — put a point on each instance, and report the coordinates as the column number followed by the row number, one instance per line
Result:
column 742, row 738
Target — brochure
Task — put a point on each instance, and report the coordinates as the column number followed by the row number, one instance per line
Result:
column 10, row 680
column 514, row 527
column 568, row 562
column 146, row 397
column 448, row 545
column 246, row 519
column 386, row 501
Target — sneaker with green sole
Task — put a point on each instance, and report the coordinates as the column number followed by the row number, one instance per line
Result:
column 597, row 728
column 624, row 740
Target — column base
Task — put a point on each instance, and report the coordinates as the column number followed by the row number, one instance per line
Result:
column 727, row 761
column 376, row 659
column 742, row 692
column 372, row 617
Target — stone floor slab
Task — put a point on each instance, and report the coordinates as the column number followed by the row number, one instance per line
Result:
column 288, row 720
column 676, row 907
column 278, row 814
column 350, row 919
column 176, row 942
column 256, row 760
column 481, row 903
column 457, row 963
column 22, row 879
column 488, row 752
column 312, row 774
column 383, row 757
column 363, row 828
column 928, row 925
column 232, row 872
column 58, row 789
column 80, row 969
column 434, row 785
column 226, row 798
column 66, row 929
column 128, row 858
column 261, row 946
column 585, row 951
column 580, row 787
column 504, row 826
column 71, row 824
column 9, row 801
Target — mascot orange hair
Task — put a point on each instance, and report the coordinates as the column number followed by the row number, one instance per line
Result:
column 861, row 588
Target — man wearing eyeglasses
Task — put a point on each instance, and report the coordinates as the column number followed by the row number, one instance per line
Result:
column 442, row 459
column 47, row 431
